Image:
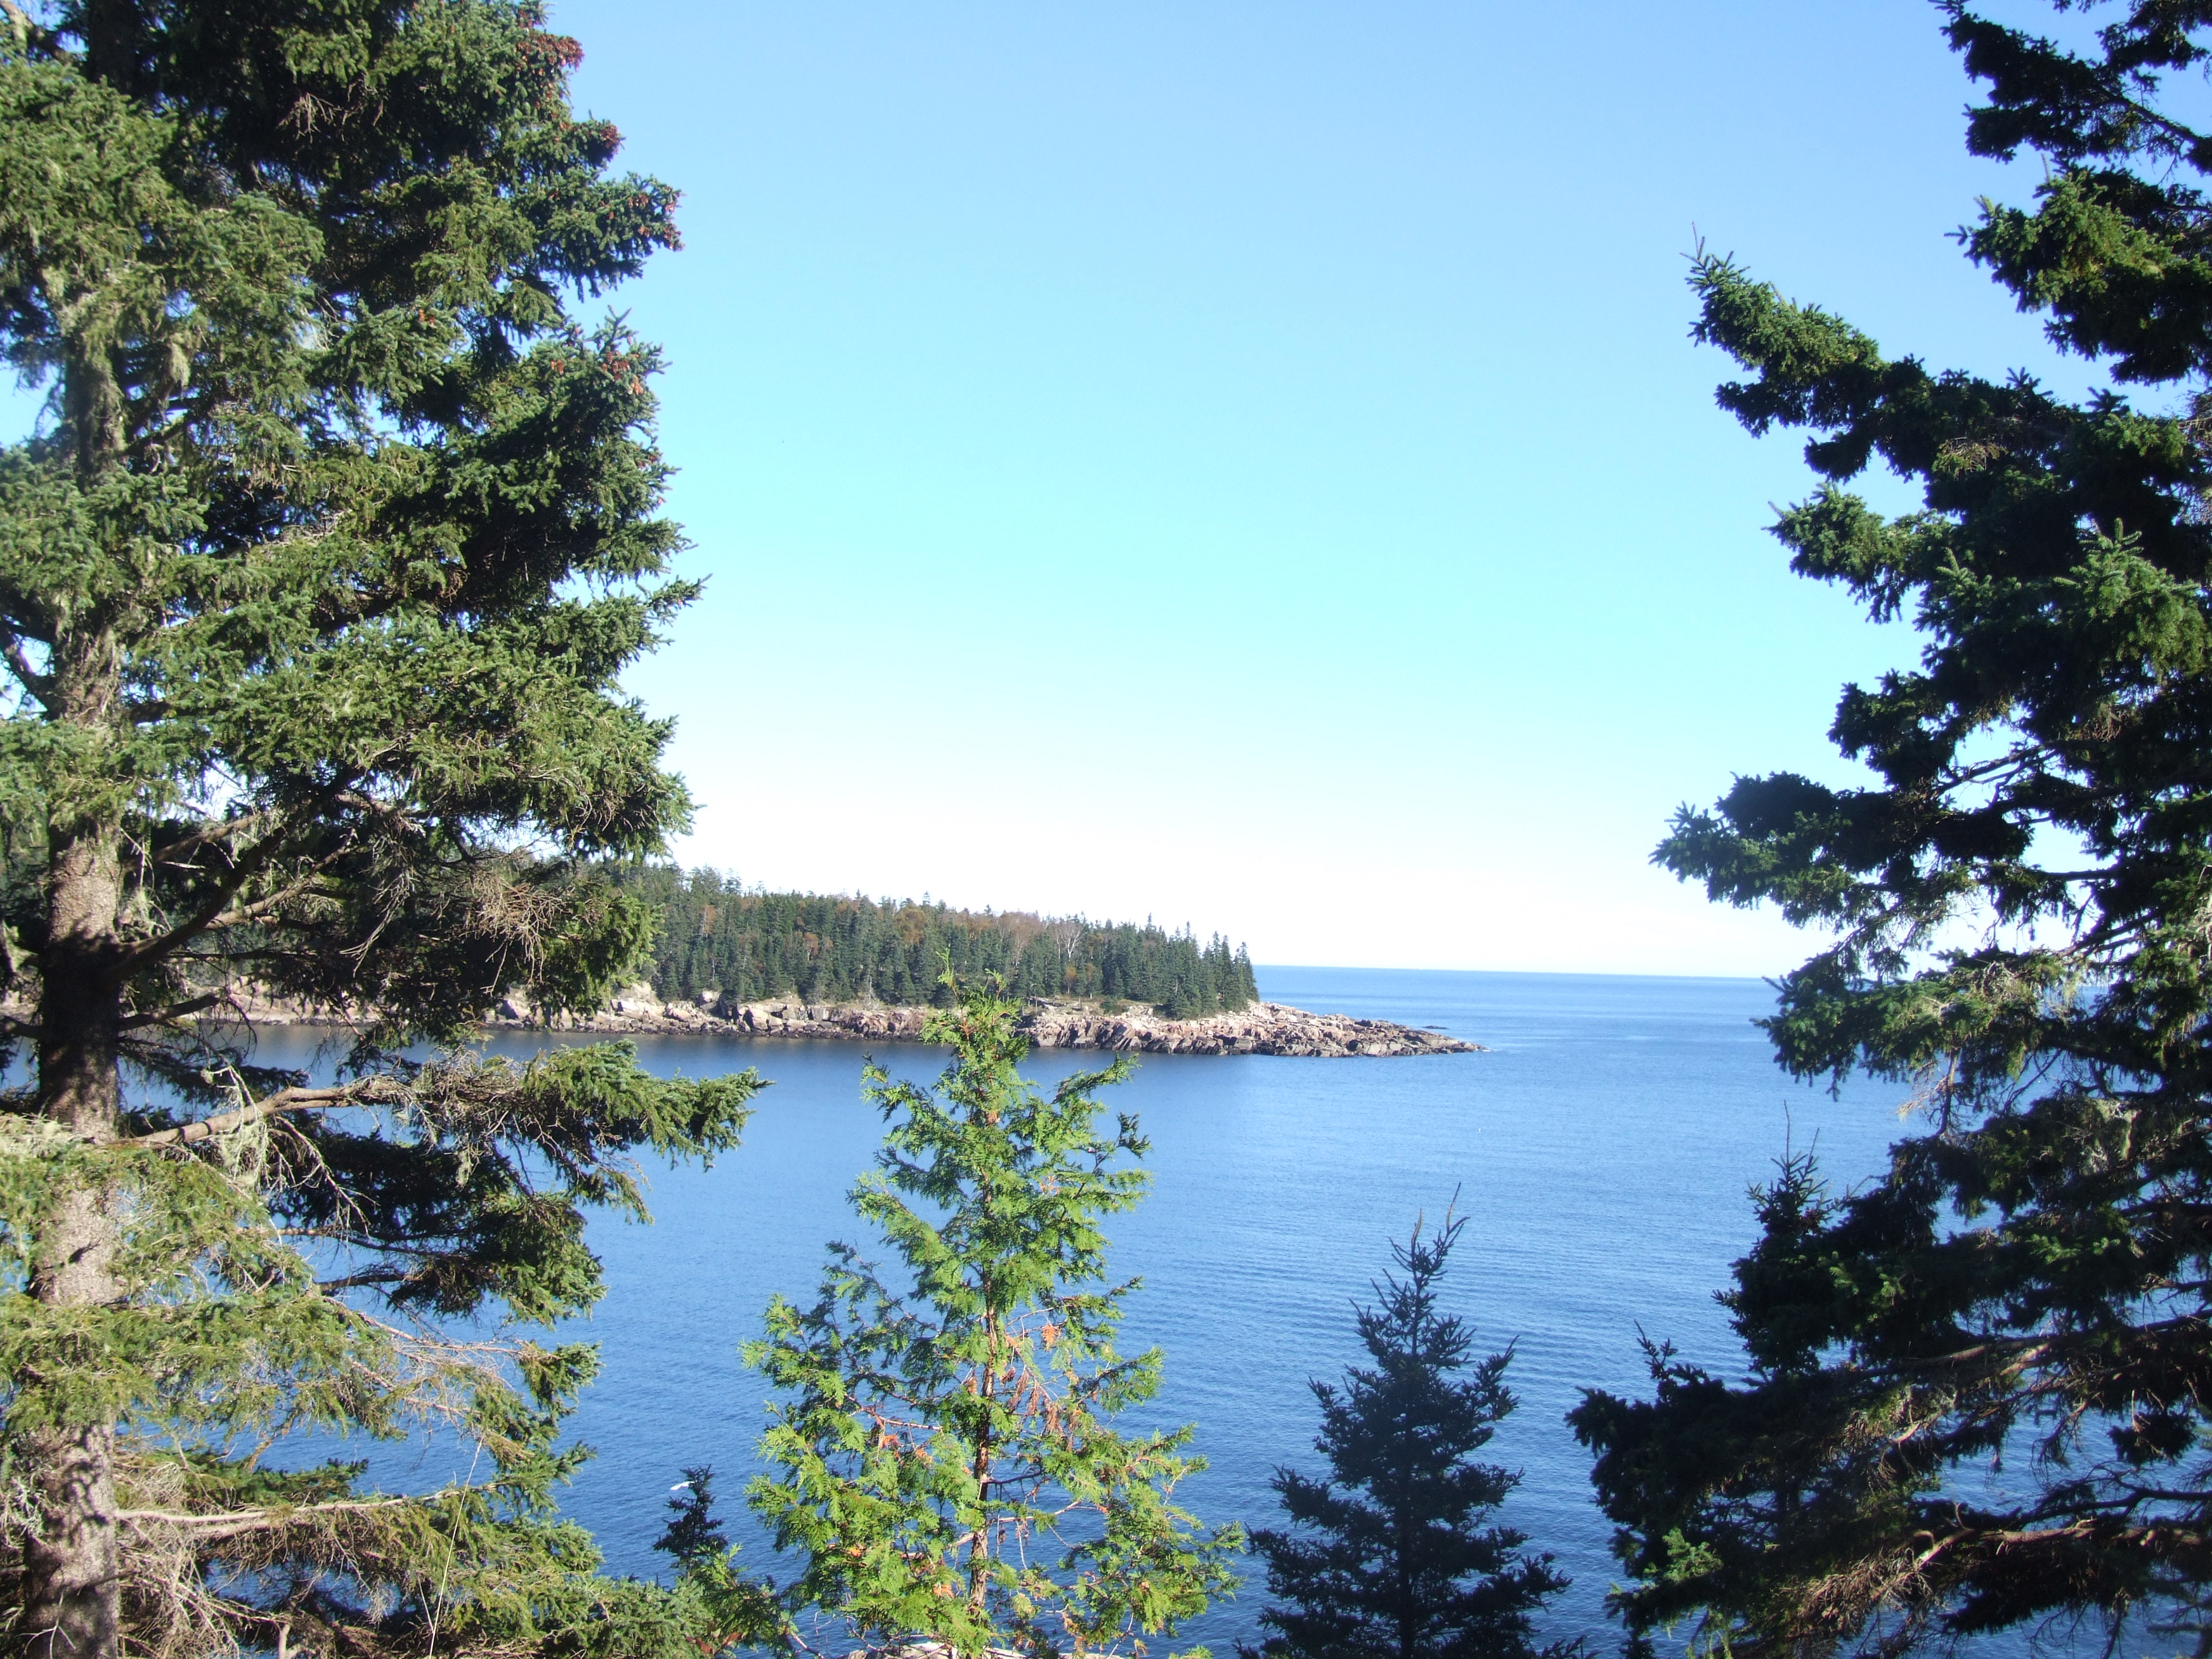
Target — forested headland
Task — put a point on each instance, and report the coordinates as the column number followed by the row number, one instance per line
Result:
column 719, row 938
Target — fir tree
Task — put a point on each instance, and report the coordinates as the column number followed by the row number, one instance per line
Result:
column 693, row 1533
column 1248, row 982
column 713, row 1596
column 316, row 585
column 944, row 1456
column 2017, row 897
column 1389, row 1556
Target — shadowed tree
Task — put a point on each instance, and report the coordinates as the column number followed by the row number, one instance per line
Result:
column 1389, row 1555
column 718, row 1604
column 2017, row 889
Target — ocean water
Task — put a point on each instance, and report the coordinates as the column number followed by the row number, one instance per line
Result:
column 1603, row 1148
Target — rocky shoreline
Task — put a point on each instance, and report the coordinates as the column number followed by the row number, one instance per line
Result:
column 1264, row 1028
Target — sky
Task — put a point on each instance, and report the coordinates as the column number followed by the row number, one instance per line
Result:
column 1245, row 465
column 1242, row 462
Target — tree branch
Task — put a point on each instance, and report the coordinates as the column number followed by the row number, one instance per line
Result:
column 175, row 1011
column 236, row 1521
column 38, row 685
column 167, row 855
column 361, row 1281
column 368, row 1088
column 29, row 37
column 262, row 907
column 261, row 855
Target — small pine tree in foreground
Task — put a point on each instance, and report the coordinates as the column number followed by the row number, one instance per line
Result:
column 944, row 1453
column 1389, row 1555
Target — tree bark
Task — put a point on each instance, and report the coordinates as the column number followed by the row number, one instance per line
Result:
column 72, row 1607
column 72, row 1603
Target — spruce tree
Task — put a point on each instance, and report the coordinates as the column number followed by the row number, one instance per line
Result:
column 1391, row 1555
column 717, row 1605
column 1247, row 983
column 316, row 582
column 2017, row 895
column 944, row 1455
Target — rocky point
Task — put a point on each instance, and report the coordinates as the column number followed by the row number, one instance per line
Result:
column 1264, row 1028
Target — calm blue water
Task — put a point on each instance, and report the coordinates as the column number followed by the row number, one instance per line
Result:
column 1603, row 1146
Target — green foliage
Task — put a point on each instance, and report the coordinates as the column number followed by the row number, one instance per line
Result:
column 743, row 945
column 944, row 1455
column 318, row 579
column 2017, row 898
column 456, row 1189
column 1388, row 1557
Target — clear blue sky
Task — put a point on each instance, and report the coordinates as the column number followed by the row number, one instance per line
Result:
column 1245, row 463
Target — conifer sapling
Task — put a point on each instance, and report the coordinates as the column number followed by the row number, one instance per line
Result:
column 1388, row 1556
column 713, row 1596
column 944, row 1453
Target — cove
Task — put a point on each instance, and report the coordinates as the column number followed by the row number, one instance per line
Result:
column 1603, row 1146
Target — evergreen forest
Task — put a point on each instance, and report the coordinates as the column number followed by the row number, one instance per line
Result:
column 721, row 941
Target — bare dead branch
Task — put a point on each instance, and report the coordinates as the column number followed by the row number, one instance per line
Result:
column 257, row 859
column 28, row 35
column 206, row 833
column 370, row 1090
column 38, row 685
column 231, row 1523
column 261, row 908
column 175, row 1011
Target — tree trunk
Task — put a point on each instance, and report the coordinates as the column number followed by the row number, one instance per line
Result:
column 72, row 1600
column 72, row 1603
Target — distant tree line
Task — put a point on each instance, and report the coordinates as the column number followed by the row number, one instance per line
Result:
column 747, row 946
